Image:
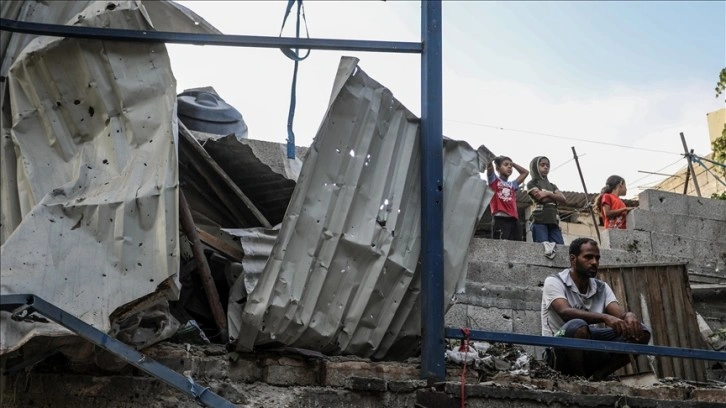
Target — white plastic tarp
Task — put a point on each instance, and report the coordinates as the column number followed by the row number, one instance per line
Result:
column 343, row 274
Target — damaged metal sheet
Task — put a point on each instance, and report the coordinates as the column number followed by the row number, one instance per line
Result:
column 93, row 134
column 343, row 275
column 213, row 195
column 257, row 246
column 261, row 169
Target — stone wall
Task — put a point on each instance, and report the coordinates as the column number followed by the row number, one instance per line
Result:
column 284, row 379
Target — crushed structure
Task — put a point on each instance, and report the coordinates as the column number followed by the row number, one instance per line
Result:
column 288, row 282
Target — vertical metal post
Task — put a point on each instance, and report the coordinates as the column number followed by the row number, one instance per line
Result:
column 584, row 188
column 432, row 214
column 690, row 165
column 688, row 175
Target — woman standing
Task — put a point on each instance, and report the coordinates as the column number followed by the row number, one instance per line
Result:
column 612, row 209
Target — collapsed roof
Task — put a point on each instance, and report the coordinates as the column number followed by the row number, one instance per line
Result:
column 90, row 214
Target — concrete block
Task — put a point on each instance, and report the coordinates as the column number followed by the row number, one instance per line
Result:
column 287, row 371
column 663, row 202
column 406, row 386
column 644, row 220
column 707, row 208
column 482, row 250
column 685, row 226
column 709, row 395
column 527, row 322
column 396, row 371
column 507, row 273
column 659, row 393
column 709, row 254
column 479, row 318
column 366, row 384
column 700, row 228
column 626, row 240
column 503, row 297
column 673, row 245
column 335, row 373
column 621, row 257
column 244, row 371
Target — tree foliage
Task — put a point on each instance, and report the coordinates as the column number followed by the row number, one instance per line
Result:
column 719, row 145
column 721, row 84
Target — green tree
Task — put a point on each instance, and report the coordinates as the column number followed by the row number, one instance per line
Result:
column 719, row 145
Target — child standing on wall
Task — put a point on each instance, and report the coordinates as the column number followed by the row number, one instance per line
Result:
column 611, row 208
column 505, row 218
column 545, row 197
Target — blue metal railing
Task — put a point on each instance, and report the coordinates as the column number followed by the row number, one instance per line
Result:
column 594, row 345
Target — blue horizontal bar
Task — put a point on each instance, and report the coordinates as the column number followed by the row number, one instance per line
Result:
column 594, row 345
column 121, row 350
column 60, row 30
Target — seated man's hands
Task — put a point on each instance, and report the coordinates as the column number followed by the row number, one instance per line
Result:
column 634, row 330
column 628, row 327
column 617, row 324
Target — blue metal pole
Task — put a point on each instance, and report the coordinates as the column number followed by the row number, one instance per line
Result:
column 432, row 214
column 594, row 345
column 60, row 30
column 23, row 305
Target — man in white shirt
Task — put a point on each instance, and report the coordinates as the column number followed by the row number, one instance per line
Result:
column 576, row 305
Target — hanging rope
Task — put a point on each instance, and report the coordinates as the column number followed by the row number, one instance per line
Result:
column 295, row 56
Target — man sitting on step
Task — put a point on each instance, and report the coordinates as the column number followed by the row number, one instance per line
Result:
column 575, row 304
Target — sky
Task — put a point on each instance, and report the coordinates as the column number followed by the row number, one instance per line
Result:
column 616, row 80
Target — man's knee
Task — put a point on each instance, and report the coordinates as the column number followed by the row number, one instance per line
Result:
column 582, row 333
column 576, row 328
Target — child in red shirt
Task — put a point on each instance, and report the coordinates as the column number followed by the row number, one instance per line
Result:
column 612, row 209
column 505, row 218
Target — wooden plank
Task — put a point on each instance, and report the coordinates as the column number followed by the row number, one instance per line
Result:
column 218, row 244
column 185, row 216
column 659, row 336
column 617, row 278
column 632, row 285
column 695, row 369
column 670, row 324
column 675, row 285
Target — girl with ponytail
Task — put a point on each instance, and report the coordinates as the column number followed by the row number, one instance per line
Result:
column 611, row 208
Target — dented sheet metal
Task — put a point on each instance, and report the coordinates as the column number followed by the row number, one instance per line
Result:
column 343, row 276
column 261, row 169
column 93, row 132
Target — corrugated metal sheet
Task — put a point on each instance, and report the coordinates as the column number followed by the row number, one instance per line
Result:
column 93, row 127
column 343, row 276
column 660, row 296
column 261, row 169
column 213, row 195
